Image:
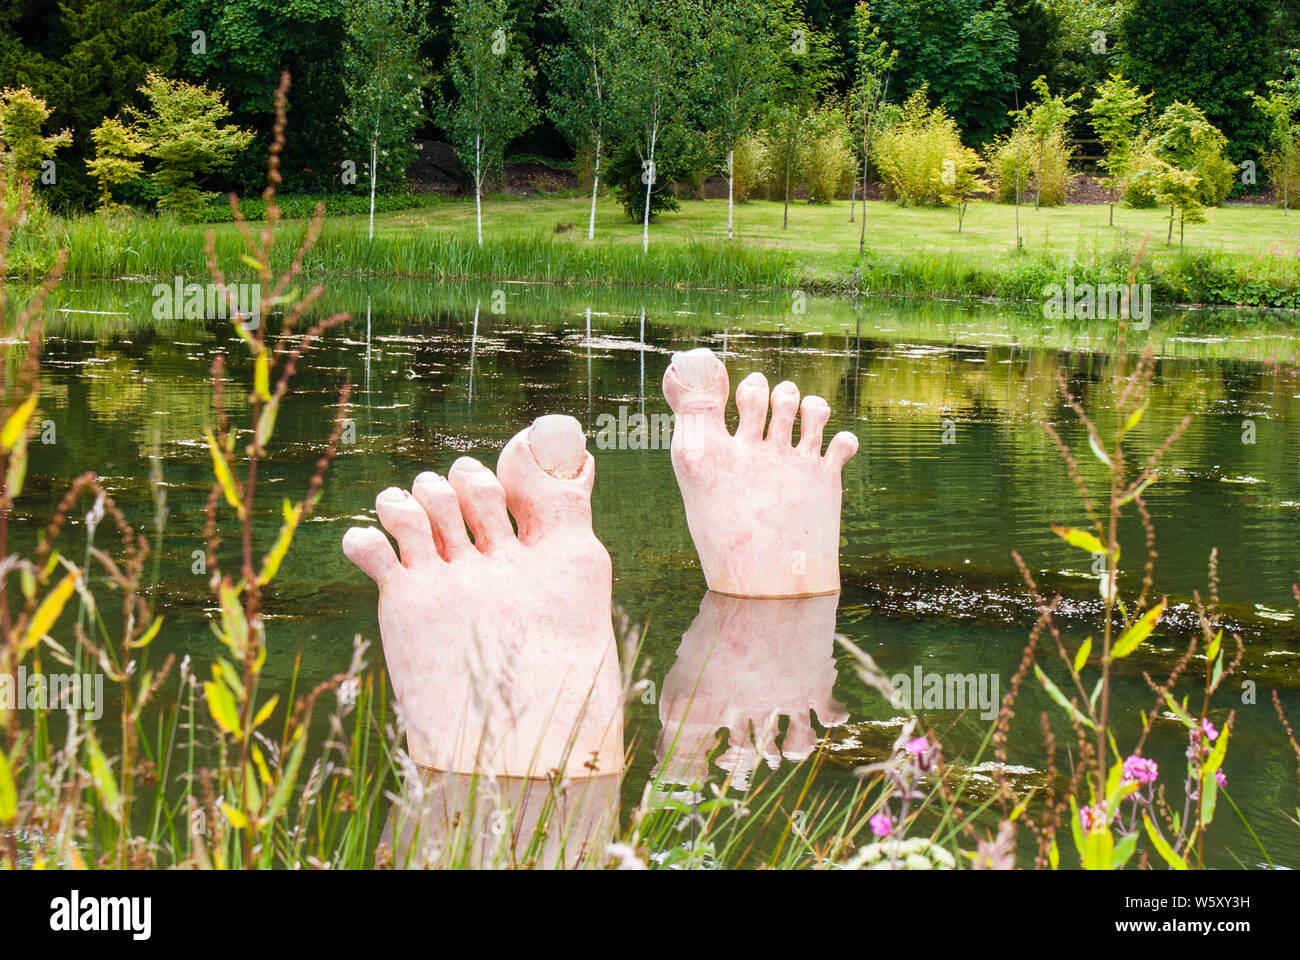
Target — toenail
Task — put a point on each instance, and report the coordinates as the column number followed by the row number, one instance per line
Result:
column 559, row 445
column 697, row 369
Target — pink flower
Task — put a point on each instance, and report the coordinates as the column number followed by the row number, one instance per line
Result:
column 881, row 825
column 1220, row 779
column 1210, row 732
column 1094, row 818
column 917, row 746
column 1140, row 769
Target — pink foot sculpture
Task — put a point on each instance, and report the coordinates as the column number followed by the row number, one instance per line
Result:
column 502, row 649
column 764, row 513
column 742, row 665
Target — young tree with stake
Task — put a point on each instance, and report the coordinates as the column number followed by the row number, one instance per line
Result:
column 493, row 103
column 741, row 62
column 1115, row 112
column 873, row 60
column 579, row 89
column 652, row 79
column 385, row 77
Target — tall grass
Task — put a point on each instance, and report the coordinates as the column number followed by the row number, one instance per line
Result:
column 133, row 246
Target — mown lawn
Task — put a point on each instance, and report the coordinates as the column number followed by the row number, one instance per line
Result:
column 817, row 232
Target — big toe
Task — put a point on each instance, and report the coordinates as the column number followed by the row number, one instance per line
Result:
column 695, row 383
column 548, row 474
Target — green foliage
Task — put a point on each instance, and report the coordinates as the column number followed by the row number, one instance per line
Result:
column 493, row 100
column 1045, row 121
column 86, row 59
column 653, row 85
column 1115, row 113
column 25, row 148
column 1279, row 108
column 1044, row 166
column 741, row 58
column 576, row 71
column 244, row 48
column 184, row 126
column 959, row 180
column 963, row 51
column 1207, row 52
column 385, row 77
column 1184, row 138
column 911, row 153
column 116, row 147
column 824, row 161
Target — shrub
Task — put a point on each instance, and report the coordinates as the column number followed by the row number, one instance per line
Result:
column 624, row 174
column 824, row 161
column 747, row 167
column 1289, row 171
column 1057, row 155
column 910, row 153
column 188, row 138
column 1185, row 139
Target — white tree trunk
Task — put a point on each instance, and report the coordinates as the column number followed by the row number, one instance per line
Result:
column 649, row 185
column 374, row 176
column 731, row 179
column 595, row 182
column 478, row 186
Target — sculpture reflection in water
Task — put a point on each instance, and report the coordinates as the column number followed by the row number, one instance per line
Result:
column 743, row 665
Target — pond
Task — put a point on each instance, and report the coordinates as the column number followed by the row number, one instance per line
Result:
column 954, row 473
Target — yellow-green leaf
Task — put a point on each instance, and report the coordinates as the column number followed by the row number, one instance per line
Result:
column 267, row 709
column 17, row 472
column 1134, row 417
column 271, row 563
column 1022, row 805
column 1216, row 756
column 1134, row 635
column 1081, row 657
column 266, row 422
column 146, row 638
column 222, row 705
column 1080, row 538
column 1055, row 693
column 48, row 612
column 102, row 777
column 1213, row 649
column 252, row 262
column 237, row 819
column 262, row 375
column 234, row 625
column 1097, row 849
column 1162, row 846
column 16, row 425
column 223, row 474
column 262, row 770
column 8, row 791
column 1054, row 855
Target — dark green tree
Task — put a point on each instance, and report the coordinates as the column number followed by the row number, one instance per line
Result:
column 1207, row 52
column 242, row 46
column 86, row 59
column 964, row 51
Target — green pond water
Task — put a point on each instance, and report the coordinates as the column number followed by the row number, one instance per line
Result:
column 929, row 526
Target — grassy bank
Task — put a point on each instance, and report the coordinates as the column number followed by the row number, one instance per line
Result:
column 1243, row 256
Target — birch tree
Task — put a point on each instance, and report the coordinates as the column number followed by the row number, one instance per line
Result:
column 651, row 80
column 803, row 75
column 577, row 71
column 493, row 102
column 385, row 78
column 742, row 57
column 872, row 62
